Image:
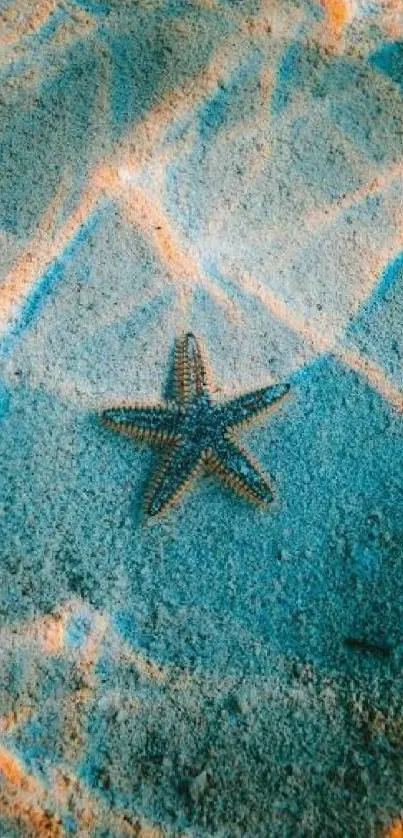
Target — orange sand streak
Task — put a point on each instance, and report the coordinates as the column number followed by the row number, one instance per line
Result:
column 46, row 632
column 53, row 636
column 91, row 811
column 47, row 245
column 395, row 830
column 143, row 140
column 392, row 20
column 18, row 798
column 14, row 773
column 149, row 670
column 144, row 213
column 21, row 25
column 12, row 16
column 339, row 14
column 139, row 145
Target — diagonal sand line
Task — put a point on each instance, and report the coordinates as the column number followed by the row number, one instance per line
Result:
column 323, row 343
column 144, row 213
column 177, row 104
column 23, row 798
column 139, row 150
column 12, row 18
column 47, row 245
column 374, row 374
column 140, row 146
column 42, row 10
column 321, row 221
column 22, row 795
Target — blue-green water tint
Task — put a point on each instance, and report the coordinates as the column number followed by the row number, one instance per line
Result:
column 77, row 631
column 234, row 100
column 40, row 293
column 379, row 138
column 33, row 148
column 150, row 58
column 357, row 102
column 290, row 76
column 49, row 29
column 93, row 7
column 389, row 60
column 377, row 327
column 281, row 578
column 70, row 825
column 217, row 587
column 4, row 400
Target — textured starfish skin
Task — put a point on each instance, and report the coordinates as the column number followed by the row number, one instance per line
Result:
column 197, row 432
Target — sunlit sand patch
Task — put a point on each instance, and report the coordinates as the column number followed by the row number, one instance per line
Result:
column 33, row 263
column 374, row 374
column 21, row 18
column 140, row 212
column 48, row 244
column 150, row 218
column 319, row 212
column 385, row 14
column 325, row 341
column 395, row 830
column 289, row 234
column 339, row 14
column 21, row 21
column 146, row 212
column 142, row 142
column 24, row 797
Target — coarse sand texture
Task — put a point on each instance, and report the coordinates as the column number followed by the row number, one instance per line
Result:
column 224, row 177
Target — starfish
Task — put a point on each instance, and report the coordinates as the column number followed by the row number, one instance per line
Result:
column 197, row 432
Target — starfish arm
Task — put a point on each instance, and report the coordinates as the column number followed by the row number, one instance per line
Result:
column 190, row 376
column 239, row 471
column 177, row 470
column 244, row 408
column 155, row 424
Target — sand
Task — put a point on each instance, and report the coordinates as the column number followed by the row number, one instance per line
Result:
column 236, row 170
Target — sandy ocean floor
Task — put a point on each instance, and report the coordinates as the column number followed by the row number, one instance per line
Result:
column 234, row 169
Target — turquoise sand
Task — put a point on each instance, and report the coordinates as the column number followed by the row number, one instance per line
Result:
column 234, row 170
